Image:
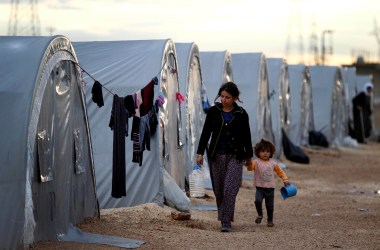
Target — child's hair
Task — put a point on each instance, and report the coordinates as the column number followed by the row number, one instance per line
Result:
column 230, row 88
column 264, row 145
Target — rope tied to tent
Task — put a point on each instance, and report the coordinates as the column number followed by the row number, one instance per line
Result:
column 95, row 81
column 155, row 78
column 97, row 95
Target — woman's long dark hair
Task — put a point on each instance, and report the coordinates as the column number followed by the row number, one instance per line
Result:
column 230, row 88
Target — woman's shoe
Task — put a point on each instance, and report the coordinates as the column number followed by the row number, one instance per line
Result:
column 258, row 219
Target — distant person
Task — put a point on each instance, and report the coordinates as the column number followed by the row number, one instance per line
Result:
column 263, row 179
column 362, row 111
column 230, row 148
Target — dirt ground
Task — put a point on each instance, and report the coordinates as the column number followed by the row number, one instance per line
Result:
column 337, row 206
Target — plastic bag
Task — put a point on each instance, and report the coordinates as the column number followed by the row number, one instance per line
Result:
column 173, row 195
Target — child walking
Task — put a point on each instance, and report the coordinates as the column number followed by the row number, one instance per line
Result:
column 263, row 169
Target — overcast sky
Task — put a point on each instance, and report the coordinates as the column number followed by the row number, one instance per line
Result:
column 278, row 28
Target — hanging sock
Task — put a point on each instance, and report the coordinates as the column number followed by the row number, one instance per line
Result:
column 97, row 94
column 135, row 137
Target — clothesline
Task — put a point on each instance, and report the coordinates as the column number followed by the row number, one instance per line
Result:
column 93, row 78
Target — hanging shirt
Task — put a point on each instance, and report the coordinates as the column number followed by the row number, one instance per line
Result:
column 119, row 118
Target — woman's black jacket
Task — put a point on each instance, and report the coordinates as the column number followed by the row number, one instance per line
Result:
column 238, row 127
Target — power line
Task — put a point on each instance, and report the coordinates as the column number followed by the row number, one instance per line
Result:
column 314, row 44
column 24, row 18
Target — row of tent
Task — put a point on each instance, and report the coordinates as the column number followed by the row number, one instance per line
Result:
column 57, row 146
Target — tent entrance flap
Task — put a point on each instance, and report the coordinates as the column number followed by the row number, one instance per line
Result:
column 61, row 156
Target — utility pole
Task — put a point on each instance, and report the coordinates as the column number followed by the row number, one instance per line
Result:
column 314, row 44
column 295, row 24
column 323, row 54
column 24, row 19
column 376, row 33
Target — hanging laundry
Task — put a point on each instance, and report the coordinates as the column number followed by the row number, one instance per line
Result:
column 180, row 97
column 138, row 101
column 160, row 101
column 97, row 94
column 140, row 135
column 155, row 80
column 135, row 137
column 153, row 121
column 118, row 123
column 129, row 105
column 147, row 94
column 145, row 132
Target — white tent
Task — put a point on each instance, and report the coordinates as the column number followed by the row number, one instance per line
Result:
column 302, row 115
column 193, row 115
column 216, row 70
column 329, row 103
column 279, row 95
column 350, row 81
column 46, row 166
column 124, row 68
column 251, row 76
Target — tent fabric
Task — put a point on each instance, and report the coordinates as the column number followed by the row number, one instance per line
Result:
column 251, row 76
column 279, row 95
column 193, row 115
column 301, row 103
column 216, row 70
column 46, row 165
column 124, row 68
column 329, row 104
column 350, row 83
column 293, row 152
column 74, row 234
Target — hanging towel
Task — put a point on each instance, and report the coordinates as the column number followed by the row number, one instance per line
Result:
column 119, row 118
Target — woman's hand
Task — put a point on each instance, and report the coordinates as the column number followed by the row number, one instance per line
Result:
column 200, row 160
column 248, row 161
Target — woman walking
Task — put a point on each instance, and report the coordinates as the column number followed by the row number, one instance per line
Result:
column 229, row 149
